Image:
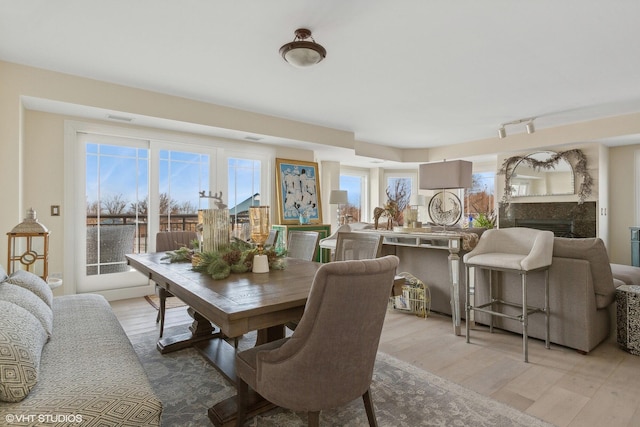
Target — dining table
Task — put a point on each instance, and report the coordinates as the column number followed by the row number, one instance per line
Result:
column 225, row 309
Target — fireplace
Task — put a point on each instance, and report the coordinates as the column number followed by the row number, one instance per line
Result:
column 560, row 227
column 565, row 219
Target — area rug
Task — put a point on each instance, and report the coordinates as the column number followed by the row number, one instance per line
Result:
column 403, row 395
column 171, row 302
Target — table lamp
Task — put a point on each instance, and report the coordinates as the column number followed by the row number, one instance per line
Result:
column 338, row 197
column 441, row 176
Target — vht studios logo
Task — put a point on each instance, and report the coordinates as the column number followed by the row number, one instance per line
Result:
column 43, row 418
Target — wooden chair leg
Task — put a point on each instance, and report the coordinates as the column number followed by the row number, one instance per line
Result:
column 313, row 419
column 241, row 402
column 368, row 406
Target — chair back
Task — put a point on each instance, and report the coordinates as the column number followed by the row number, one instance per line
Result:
column 329, row 359
column 172, row 240
column 115, row 242
column 353, row 245
column 302, row 244
column 272, row 239
column 517, row 248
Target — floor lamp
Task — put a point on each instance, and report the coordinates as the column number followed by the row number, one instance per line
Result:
column 338, row 197
column 442, row 176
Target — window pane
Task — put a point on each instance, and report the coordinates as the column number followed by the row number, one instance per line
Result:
column 182, row 176
column 116, row 185
column 244, row 191
column 480, row 198
column 352, row 211
column 398, row 196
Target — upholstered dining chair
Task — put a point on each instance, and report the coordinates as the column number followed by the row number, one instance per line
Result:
column 516, row 250
column 272, row 239
column 170, row 241
column 302, row 244
column 317, row 368
column 354, row 245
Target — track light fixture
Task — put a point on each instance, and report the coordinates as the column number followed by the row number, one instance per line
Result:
column 502, row 132
column 530, row 128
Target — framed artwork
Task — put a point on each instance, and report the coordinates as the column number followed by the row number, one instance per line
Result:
column 298, row 192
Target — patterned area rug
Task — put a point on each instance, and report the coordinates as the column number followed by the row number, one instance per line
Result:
column 403, row 395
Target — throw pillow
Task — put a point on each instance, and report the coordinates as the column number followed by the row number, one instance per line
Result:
column 3, row 274
column 21, row 340
column 30, row 302
column 34, row 283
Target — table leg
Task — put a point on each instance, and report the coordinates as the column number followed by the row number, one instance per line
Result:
column 223, row 414
column 454, row 276
column 201, row 330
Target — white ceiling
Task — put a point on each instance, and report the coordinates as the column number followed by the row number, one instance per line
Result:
column 407, row 73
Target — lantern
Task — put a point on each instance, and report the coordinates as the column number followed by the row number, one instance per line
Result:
column 29, row 247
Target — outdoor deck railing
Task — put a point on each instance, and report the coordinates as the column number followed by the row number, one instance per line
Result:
column 175, row 222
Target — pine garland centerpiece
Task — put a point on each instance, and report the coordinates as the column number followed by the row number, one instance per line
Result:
column 237, row 257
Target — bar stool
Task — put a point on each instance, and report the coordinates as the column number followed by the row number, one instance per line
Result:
column 516, row 250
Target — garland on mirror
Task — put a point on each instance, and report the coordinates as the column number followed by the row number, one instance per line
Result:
column 579, row 166
column 237, row 257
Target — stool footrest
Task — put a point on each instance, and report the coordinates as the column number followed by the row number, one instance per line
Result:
column 481, row 308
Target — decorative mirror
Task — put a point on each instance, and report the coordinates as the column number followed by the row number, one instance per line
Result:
column 542, row 174
column 546, row 173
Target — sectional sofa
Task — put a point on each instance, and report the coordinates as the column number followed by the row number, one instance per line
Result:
column 581, row 292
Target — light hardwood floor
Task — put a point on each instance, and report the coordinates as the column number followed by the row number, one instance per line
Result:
column 558, row 385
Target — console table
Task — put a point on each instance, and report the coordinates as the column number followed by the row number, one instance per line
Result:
column 409, row 248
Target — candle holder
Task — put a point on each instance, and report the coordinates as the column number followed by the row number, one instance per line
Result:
column 259, row 220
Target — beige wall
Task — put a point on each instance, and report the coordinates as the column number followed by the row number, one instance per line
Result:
column 623, row 203
column 32, row 145
column 32, row 142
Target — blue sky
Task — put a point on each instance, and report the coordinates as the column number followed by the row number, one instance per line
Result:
column 115, row 170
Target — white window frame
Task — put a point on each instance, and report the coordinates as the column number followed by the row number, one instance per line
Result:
column 74, row 182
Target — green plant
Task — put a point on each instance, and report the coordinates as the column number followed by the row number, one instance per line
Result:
column 484, row 221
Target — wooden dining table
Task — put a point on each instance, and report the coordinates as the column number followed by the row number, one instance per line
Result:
column 230, row 308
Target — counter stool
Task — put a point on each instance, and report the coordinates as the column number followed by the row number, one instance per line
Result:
column 516, row 250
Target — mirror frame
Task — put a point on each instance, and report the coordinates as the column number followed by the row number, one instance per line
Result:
column 576, row 159
column 540, row 161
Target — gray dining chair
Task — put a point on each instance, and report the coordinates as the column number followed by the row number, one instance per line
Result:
column 272, row 239
column 354, row 245
column 302, row 244
column 170, row 241
column 317, row 368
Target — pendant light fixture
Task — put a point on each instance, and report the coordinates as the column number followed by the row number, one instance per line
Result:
column 302, row 53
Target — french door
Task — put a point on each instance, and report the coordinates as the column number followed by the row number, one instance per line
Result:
column 129, row 190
